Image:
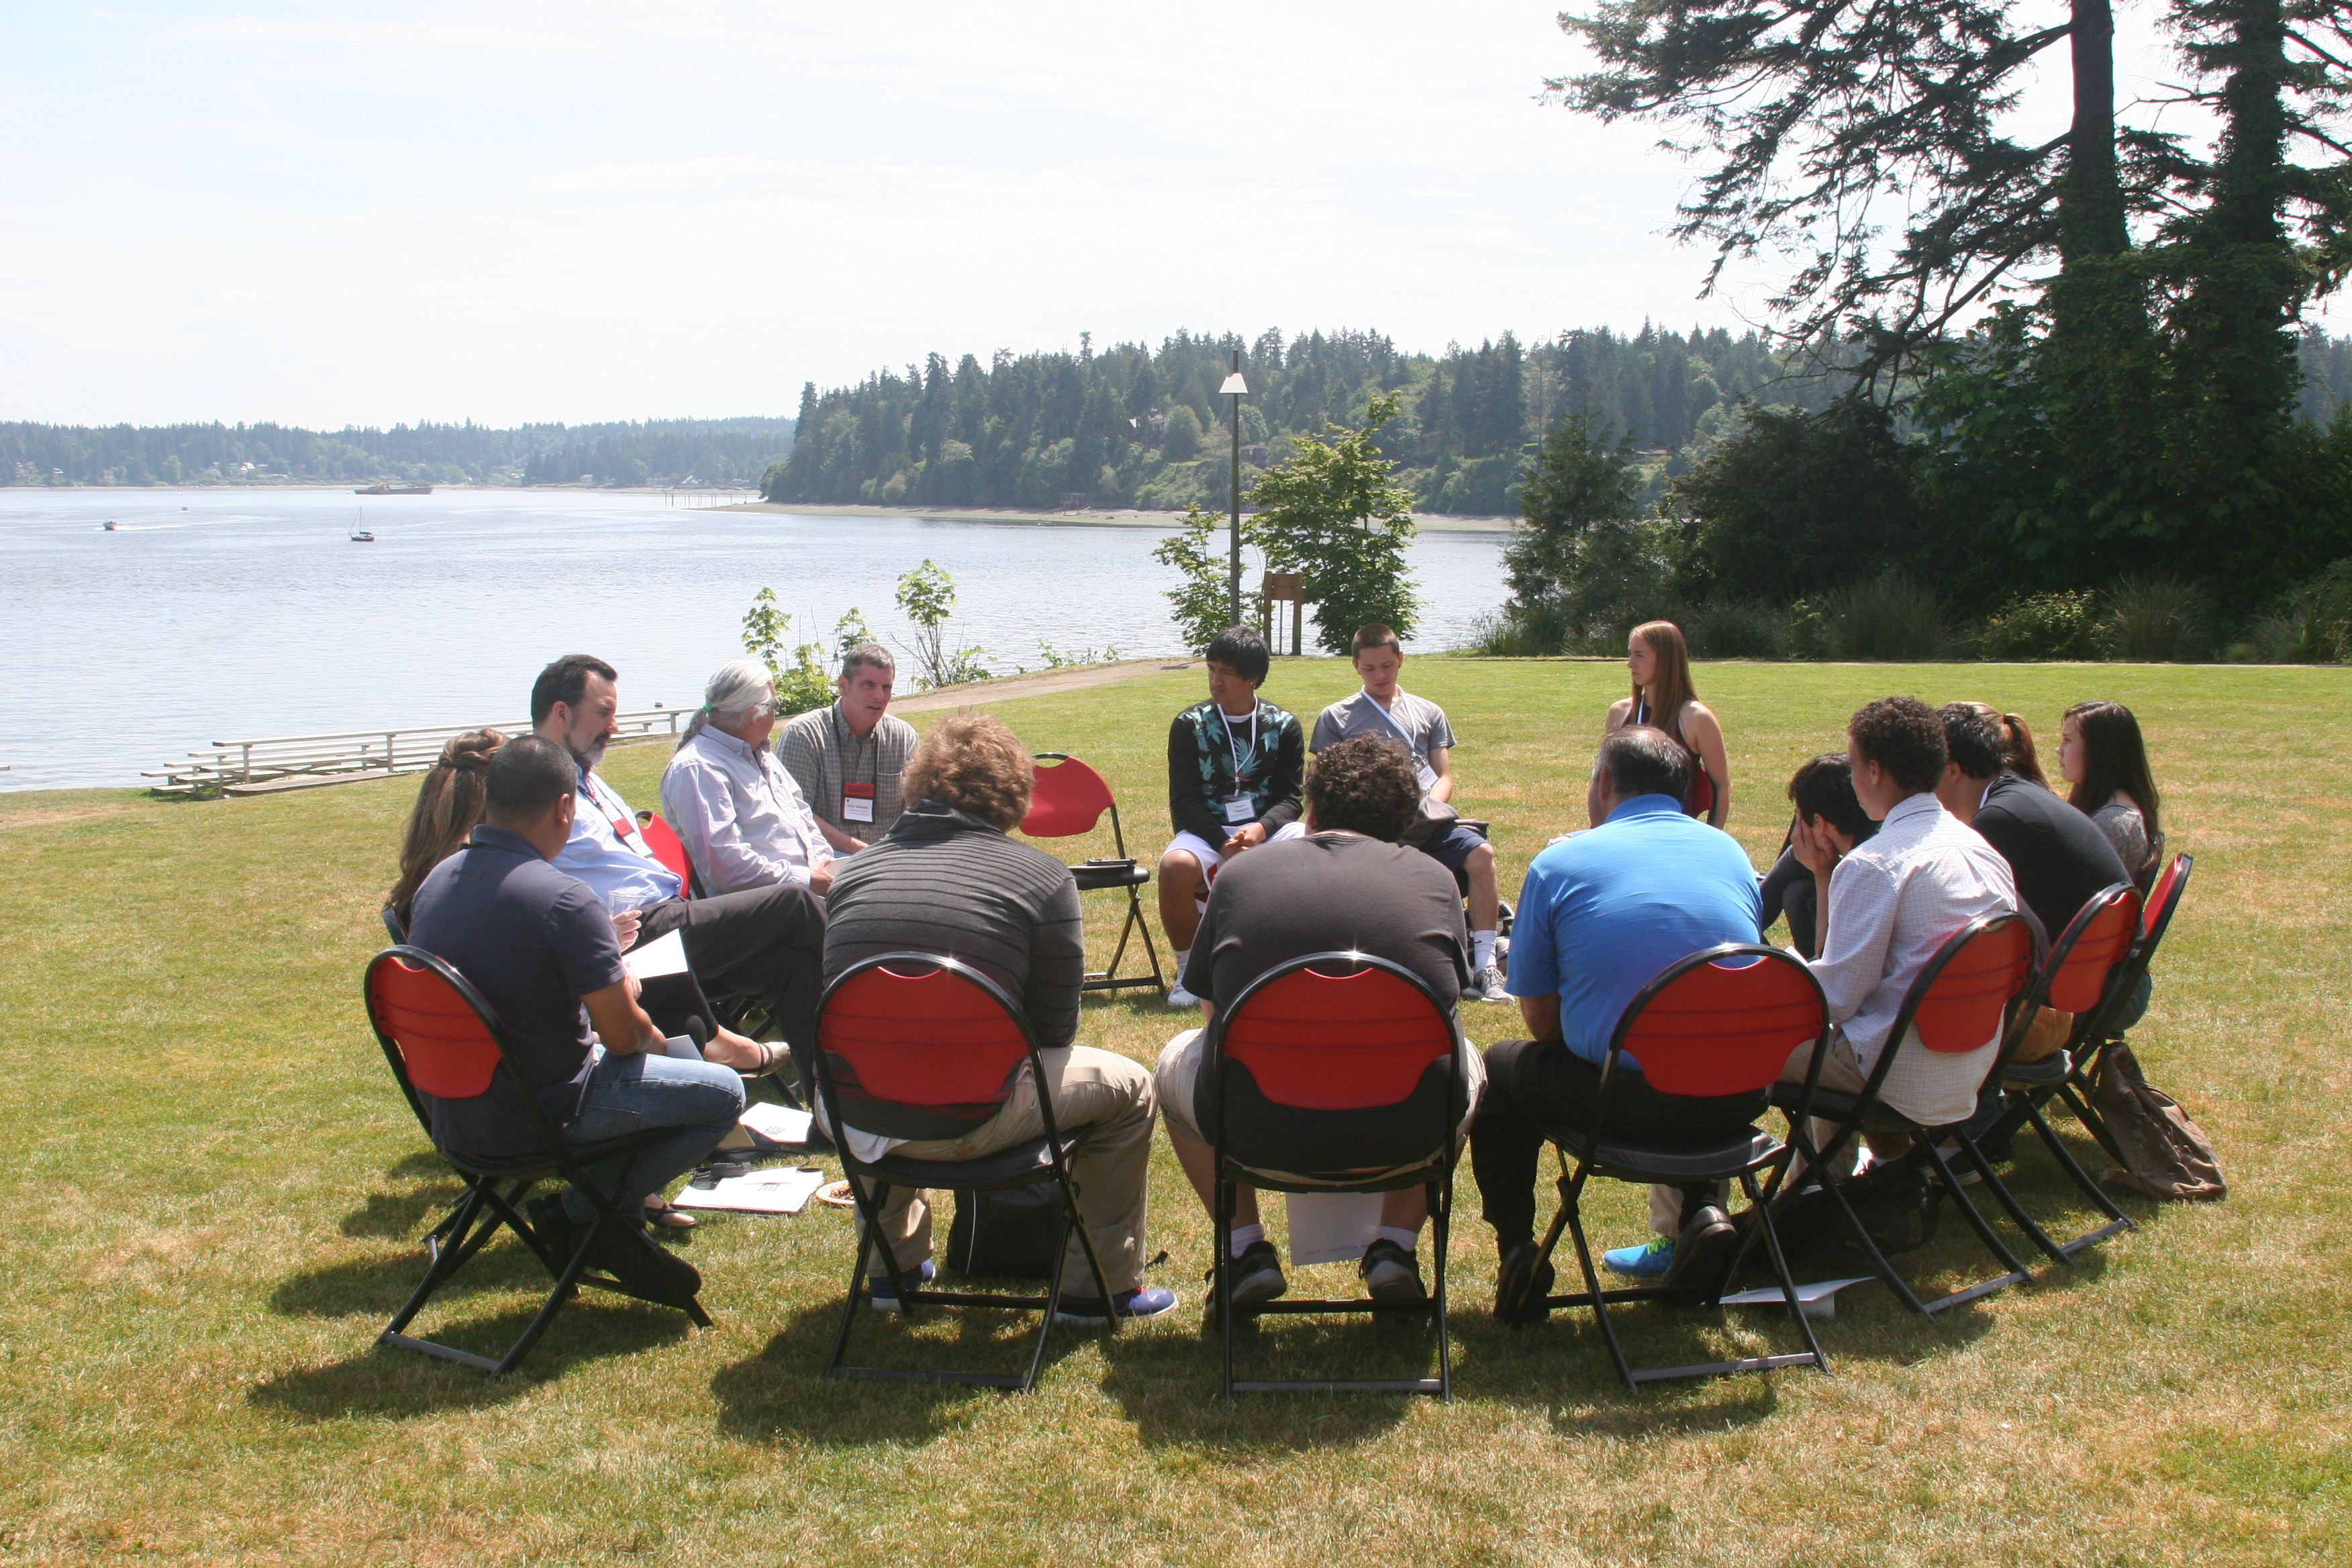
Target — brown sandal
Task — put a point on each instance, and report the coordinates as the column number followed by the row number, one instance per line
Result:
column 663, row 1215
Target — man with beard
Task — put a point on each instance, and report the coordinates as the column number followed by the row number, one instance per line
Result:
column 767, row 943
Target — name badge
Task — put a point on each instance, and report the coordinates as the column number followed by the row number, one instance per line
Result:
column 1239, row 810
column 856, row 803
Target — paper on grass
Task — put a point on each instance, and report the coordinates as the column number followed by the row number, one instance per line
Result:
column 652, row 960
column 777, row 1123
column 1330, row 1227
column 784, row 1191
column 1817, row 1299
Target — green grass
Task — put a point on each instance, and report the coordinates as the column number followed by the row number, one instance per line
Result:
column 215, row 1196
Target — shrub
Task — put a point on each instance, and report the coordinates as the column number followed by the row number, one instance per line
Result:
column 2054, row 625
column 1739, row 628
column 2310, row 625
column 1889, row 617
column 2159, row 620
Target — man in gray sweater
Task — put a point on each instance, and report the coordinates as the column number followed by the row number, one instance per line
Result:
column 946, row 879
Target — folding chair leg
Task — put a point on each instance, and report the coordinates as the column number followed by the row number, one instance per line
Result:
column 1222, row 1236
column 2018, row 1274
column 1592, row 1285
column 445, row 1262
column 1991, row 1181
column 1441, row 1218
column 1861, row 1232
column 1763, row 1212
column 2116, row 1219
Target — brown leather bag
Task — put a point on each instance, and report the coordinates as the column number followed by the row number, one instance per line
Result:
column 2168, row 1154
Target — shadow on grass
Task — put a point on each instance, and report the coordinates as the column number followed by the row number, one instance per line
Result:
column 381, row 1282
column 782, row 1392
column 1169, row 1383
column 383, row 1381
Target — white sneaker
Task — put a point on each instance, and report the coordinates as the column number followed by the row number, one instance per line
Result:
column 1180, row 997
column 1487, row 986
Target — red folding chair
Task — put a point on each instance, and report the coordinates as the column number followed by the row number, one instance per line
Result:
column 442, row 1039
column 1069, row 799
column 671, row 851
column 909, row 1046
column 2070, row 1075
column 1338, row 1070
column 747, row 1015
column 1960, row 1000
column 1720, row 1022
column 2084, row 975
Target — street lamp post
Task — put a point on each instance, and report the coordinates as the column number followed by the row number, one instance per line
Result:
column 1236, row 389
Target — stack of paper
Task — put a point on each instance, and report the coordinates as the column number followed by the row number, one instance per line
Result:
column 777, row 1123
column 784, row 1191
column 1817, row 1299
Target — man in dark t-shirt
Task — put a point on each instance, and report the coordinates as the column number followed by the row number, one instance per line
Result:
column 1347, row 885
column 540, row 947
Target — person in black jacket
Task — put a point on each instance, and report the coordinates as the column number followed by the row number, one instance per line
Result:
column 1235, row 769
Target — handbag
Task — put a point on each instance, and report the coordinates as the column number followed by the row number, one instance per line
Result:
column 2166, row 1153
column 1432, row 820
column 1012, row 1232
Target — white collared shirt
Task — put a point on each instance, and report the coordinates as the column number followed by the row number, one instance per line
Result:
column 740, row 816
column 1894, row 899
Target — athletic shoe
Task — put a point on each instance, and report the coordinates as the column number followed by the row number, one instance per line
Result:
column 1521, row 1285
column 1180, row 997
column 1391, row 1273
column 1702, row 1252
column 1256, row 1274
column 1646, row 1262
column 1142, row 1303
column 884, row 1296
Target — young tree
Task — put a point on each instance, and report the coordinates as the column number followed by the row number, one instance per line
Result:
column 800, row 682
column 1582, row 474
column 927, row 596
column 1198, row 603
column 1331, row 513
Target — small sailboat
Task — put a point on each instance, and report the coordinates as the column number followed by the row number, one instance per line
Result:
column 108, row 526
column 359, row 535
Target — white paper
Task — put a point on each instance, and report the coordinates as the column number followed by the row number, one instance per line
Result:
column 777, row 1123
column 783, row 1190
column 1330, row 1227
column 1817, row 1299
column 652, row 960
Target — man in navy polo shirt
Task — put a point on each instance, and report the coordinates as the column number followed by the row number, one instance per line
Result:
column 539, row 946
column 1600, row 915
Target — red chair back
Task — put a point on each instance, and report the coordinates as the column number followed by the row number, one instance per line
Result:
column 1069, row 799
column 446, row 1048
column 1970, row 983
column 1723, row 1022
column 2098, row 939
column 922, row 1036
column 669, row 850
column 2165, row 896
column 1337, row 1041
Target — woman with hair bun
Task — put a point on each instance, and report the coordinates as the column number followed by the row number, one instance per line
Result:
column 2103, row 755
column 1659, row 662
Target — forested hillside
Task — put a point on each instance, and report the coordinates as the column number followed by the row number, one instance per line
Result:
column 1137, row 426
column 657, row 451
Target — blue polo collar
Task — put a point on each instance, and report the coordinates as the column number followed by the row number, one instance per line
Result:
column 1647, row 806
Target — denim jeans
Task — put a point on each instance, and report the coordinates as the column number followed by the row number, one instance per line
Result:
column 630, row 1094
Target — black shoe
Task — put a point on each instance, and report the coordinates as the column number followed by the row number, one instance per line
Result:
column 645, row 1270
column 1256, row 1276
column 1391, row 1273
column 1522, row 1284
column 554, row 1227
column 1703, row 1253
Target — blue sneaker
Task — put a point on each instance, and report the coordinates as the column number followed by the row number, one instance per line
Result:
column 885, row 1295
column 1648, row 1261
column 1141, row 1303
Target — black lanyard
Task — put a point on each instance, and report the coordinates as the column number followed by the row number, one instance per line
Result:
column 841, row 748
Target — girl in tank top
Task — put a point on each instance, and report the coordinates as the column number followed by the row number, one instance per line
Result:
column 1659, row 663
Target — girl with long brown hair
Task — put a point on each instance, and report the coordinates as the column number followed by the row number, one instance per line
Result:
column 449, row 804
column 2103, row 755
column 1659, row 662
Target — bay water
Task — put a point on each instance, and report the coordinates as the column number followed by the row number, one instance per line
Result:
column 218, row 615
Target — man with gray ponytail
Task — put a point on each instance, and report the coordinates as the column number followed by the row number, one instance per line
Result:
column 743, row 820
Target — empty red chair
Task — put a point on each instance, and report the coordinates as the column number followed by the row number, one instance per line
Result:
column 441, row 1038
column 1961, row 999
column 1071, row 798
column 1721, row 1022
column 919, row 1046
column 1334, row 1073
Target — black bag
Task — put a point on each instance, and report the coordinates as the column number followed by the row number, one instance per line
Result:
column 1010, row 1232
column 1895, row 1201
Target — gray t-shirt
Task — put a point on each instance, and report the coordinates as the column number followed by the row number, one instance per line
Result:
column 1329, row 892
column 1416, row 722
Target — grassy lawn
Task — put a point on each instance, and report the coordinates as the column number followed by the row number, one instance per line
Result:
column 217, row 1194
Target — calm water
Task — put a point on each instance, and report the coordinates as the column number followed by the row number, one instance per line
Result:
column 213, row 616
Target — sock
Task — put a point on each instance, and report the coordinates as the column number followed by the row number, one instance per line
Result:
column 1246, row 1236
column 1182, row 958
column 1398, row 1234
column 1482, row 951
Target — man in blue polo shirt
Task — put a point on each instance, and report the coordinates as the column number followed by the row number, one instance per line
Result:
column 539, row 945
column 1600, row 915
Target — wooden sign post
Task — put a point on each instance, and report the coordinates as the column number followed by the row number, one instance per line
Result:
column 1277, row 587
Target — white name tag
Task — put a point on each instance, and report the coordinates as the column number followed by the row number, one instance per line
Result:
column 1239, row 809
column 857, row 803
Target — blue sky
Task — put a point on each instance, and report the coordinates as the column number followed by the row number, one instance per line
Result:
column 328, row 214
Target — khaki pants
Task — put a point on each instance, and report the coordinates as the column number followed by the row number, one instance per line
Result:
column 1099, row 1091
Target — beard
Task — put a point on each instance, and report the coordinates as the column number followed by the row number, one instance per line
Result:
column 590, row 758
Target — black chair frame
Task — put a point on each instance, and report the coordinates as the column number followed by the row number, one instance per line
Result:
column 1120, row 872
column 484, row 1207
column 1866, row 1111
column 1760, row 1155
column 1040, row 1160
column 1231, row 1174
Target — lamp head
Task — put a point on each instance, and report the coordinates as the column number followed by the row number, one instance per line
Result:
column 1234, row 386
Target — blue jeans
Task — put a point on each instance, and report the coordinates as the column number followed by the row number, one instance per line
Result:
column 630, row 1094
